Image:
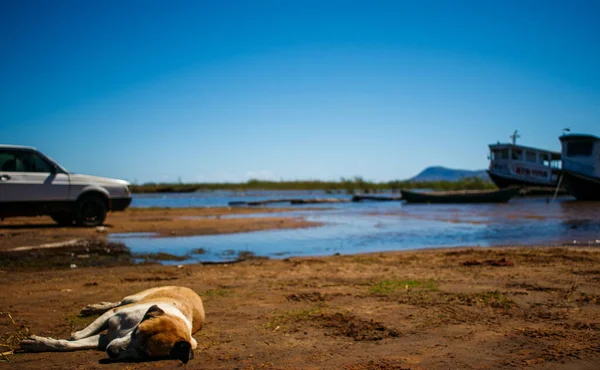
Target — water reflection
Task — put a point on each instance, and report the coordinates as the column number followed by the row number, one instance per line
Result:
column 370, row 227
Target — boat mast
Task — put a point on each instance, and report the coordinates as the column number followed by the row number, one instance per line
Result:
column 514, row 137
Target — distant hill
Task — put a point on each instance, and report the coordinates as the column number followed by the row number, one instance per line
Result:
column 438, row 173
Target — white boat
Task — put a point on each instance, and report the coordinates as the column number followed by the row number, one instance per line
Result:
column 517, row 165
column 581, row 165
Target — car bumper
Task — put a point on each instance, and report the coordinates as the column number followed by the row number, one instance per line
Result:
column 119, row 204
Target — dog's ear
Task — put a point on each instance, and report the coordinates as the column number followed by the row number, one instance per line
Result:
column 182, row 350
column 153, row 311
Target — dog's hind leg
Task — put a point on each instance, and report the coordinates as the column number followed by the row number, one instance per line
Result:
column 102, row 307
column 43, row 344
column 98, row 308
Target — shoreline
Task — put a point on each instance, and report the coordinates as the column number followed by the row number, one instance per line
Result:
column 165, row 222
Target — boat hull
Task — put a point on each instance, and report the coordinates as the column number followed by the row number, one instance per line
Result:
column 506, row 182
column 582, row 187
column 494, row 196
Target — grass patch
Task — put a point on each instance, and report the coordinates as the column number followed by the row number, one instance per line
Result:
column 387, row 287
column 285, row 317
column 494, row 299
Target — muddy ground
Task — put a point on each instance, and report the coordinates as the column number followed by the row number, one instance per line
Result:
column 475, row 308
column 165, row 222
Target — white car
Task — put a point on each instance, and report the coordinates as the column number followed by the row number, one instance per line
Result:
column 32, row 184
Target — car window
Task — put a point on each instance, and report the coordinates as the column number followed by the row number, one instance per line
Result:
column 22, row 161
column 37, row 164
column 7, row 161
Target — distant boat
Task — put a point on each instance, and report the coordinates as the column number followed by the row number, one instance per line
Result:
column 460, row 196
column 517, row 165
column 581, row 165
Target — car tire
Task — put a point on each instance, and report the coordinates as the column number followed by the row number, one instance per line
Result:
column 90, row 210
column 63, row 219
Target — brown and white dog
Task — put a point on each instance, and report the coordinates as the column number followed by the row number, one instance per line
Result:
column 155, row 323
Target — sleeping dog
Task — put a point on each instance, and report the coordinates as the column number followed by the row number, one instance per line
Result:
column 155, row 323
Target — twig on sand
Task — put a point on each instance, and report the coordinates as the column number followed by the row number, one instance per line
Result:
column 11, row 340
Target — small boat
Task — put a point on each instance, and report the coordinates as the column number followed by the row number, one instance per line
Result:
column 319, row 201
column 461, row 196
column 376, row 198
column 517, row 165
column 581, row 165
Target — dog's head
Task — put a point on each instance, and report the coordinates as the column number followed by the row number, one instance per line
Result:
column 158, row 335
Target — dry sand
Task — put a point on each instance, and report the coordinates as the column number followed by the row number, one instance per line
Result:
column 460, row 308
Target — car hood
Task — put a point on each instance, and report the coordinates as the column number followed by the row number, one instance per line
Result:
column 88, row 179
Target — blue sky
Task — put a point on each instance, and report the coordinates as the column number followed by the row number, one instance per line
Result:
column 231, row 90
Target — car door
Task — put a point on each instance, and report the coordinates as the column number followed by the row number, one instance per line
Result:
column 27, row 181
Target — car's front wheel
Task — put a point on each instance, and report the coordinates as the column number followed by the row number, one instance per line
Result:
column 91, row 210
column 63, row 219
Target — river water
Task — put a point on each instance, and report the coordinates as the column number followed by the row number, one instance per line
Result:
column 350, row 228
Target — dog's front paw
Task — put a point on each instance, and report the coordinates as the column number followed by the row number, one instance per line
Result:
column 36, row 344
column 76, row 335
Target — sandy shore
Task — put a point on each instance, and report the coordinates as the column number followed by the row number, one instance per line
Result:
column 475, row 308
column 31, row 231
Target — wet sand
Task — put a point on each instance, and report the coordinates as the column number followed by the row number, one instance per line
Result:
column 32, row 231
column 459, row 308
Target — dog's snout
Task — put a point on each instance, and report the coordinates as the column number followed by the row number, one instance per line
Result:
column 112, row 352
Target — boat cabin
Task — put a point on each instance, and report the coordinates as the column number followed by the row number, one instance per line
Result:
column 516, row 165
column 581, row 154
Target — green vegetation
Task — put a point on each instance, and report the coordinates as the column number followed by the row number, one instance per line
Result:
column 392, row 286
column 347, row 186
column 494, row 299
column 284, row 317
